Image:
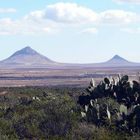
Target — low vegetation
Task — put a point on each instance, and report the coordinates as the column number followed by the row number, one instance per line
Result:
column 100, row 112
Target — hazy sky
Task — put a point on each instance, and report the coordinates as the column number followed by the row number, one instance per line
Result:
column 81, row 31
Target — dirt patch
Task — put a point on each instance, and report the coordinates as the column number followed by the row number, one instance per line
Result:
column 3, row 93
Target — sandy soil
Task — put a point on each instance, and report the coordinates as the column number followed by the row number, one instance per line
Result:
column 70, row 77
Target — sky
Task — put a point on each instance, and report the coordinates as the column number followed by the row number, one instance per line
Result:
column 72, row 31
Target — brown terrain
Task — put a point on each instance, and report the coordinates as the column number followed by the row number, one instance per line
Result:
column 60, row 77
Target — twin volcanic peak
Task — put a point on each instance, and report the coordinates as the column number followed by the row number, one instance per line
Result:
column 27, row 57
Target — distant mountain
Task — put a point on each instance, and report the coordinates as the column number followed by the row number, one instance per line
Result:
column 26, row 57
column 118, row 61
column 29, row 58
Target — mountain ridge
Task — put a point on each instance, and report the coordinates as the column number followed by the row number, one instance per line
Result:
column 28, row 57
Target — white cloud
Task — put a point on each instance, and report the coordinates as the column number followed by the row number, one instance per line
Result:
column 70, row 13
column 128, row 1
column 56, row 16
column 7, row 10
column 24, row 27
column 90, row 31
column 131, row 30
column 118, row 17
column 49, row 20
column 35, row 16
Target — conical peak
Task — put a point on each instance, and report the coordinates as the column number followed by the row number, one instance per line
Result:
column 117, row 57
column 27, row 48
column 26, row 51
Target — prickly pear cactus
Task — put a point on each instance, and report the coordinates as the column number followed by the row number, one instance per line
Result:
column 114, row 101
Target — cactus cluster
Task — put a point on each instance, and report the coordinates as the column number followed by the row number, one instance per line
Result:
column 98, row 103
